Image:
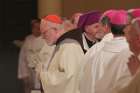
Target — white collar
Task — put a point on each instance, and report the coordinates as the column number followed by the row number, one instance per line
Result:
column 108, row 37
column 116, row 44
column 86, row 47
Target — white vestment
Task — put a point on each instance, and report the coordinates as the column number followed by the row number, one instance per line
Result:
column 23, row 69
column 31, row 46
column 62, row 73
column 97, row 47
column 34, row 46
column 116, row 74
column 94, row 49
column 133, row 86
column 95, row 69
column 43, row 57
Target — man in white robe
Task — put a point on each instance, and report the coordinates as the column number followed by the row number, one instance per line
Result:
column 107, row 36
column 94, row 71
column 91, row 28
column 61, row 75
column 115, row 69
column 87, row 29
column 116, row 74
column 33, row 43
column 133, row 38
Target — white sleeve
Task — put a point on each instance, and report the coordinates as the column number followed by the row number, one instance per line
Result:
column 23, row 70
column 116, row 76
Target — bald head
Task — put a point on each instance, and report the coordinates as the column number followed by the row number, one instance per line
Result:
column 132, row 33
column 136, row 24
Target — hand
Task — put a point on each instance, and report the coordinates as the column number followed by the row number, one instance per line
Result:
column 18, row 43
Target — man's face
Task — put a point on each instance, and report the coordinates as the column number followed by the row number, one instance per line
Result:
column 133, row 38
column 103, row 30
column 49, row 32
column 94, row 31
column 36, row 29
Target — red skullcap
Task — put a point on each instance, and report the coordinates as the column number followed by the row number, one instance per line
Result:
column 120, row 18
column 53, row 18
column 109, row 13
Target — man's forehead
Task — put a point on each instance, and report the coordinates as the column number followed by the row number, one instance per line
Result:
column 96, row 24
column 48, row 24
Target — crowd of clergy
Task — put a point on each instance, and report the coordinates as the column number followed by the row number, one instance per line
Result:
column 90, row 52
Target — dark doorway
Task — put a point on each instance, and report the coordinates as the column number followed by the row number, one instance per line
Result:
column 15, row 19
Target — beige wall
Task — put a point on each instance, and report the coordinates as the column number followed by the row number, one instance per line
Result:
column 68, row 7
column 46, row 7
column 72, row 6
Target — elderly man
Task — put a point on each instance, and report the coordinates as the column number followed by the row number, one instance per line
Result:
column 61, row 74
column 94, row 71
column 133, row 38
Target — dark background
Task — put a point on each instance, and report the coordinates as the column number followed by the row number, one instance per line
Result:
column 15, row 16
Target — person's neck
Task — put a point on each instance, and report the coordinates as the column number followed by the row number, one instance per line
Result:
column 118, row 36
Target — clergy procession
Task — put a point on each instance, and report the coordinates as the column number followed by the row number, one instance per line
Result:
column 90, row 52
